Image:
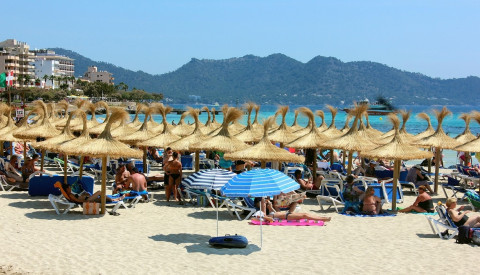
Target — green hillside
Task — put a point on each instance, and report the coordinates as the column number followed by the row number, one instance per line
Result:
column 279, row 79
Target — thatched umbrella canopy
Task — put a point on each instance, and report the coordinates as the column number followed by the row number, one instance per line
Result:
column 282, row 134
column 185, row 143
column 323, row 126
column 208, row 126
column 314, row 139
column 70, row 146
column 223, row 141
column 370, row 129
column 257, row 127
column 429, row 131
column 161, row 140
column 332, row 131
column 100, row 127
column 398, row 149
column 346, row 127
column 183, row 129
column 10, row 126
column 79, row 103
column 3, row 119
column 105, row 145
column 305, row 130
column 124, row 129
column 403, row 132
column 43, row 130
column 163, row 111
column 214, row 123
column 218, row 129
column 249, row 134
column 439, row 140
column 473, row 145
column 295, row 127
column 61, row 113
column 141, row 134
column 53, row 143
column 236, row 127
column 136, row 122
column 93, row 120
column 466, row 135
column 353, row 140
column 265, row 151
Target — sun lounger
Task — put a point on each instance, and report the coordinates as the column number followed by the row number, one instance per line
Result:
column 43, row 185
column 237, row 207
column 443, row 222
column 332, row 196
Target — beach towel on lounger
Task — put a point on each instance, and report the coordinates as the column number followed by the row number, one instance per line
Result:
column 279, row 222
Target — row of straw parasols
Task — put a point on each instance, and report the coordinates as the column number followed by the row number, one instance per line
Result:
column 116, row 135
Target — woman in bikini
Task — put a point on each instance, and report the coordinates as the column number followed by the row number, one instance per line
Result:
column 461, row 218
column 422, row 204
column 267, row 207
column 372, row 205
column 175, row 176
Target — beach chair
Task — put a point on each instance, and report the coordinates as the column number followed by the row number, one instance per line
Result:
column 62, row 199
column 443, row 222
column 388, row 189
column 187, row 162
column 331, row 197
column 454, row 185
column 5, row 185
column 240, row 206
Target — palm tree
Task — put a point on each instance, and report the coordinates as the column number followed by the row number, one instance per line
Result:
column 20, row 79
column 26, row 79
column 45, row 78
column 52, row 78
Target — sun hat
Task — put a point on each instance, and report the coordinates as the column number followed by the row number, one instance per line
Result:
column 417, row 166
column 373, row 162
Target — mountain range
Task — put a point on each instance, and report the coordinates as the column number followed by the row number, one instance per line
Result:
column 279, row 79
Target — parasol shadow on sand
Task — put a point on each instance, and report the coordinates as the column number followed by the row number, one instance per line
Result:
column 106, row 146
column 439, row 140
column 265, row 151
column 398, row 149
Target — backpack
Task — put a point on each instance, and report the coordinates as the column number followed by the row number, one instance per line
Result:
column 464, row 234
column 476, row 236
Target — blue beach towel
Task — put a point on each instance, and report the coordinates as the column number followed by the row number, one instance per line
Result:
column 352, row 214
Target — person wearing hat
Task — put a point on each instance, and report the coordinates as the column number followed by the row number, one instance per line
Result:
column 415, row 175
column 422, row 204
column 370, row 171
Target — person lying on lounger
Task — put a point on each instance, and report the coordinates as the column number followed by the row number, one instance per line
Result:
column 87, row 197
column 461, row 218
column 372, row 205
column 285, row 215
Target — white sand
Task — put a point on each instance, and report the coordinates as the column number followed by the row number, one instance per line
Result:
column 156, row 238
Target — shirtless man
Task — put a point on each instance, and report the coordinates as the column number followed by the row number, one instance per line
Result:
column 372, row 205
column 121, row 179
column 138, row 183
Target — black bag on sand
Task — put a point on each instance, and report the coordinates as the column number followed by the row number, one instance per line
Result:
column 464, row 234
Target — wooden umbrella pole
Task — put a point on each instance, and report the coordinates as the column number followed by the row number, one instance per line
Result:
column 65, row 159
column 25, row 150
column 81, row 167
column 396, row 171
column 343, row 157
column 104, row 184
column 263, row 165
column 437, row 167
column 350, row 155
column 314, row 166
column 42, row 160
column 1, row 151
column 430, row 162
column 145, row 160
column 197, row 161
column 331, row 157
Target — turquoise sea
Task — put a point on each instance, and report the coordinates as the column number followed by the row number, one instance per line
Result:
column 452, row 125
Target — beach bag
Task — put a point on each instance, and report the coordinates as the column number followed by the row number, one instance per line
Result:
column 464, row 234
column 91, row 208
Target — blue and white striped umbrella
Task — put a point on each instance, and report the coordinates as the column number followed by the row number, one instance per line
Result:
column 208, row 179
column 259, row 183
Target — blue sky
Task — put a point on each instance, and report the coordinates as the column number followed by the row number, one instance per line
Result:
column 434, row 37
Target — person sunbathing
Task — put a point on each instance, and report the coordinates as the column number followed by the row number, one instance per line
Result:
column 11, row 172
column 121, row 178
column 422, row 204
column 308, row 184
column 267, row 207
column 288, row 201
column 461, row 218
column 85, row 196
column 372, row 205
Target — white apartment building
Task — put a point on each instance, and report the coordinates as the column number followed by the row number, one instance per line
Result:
column 16, row 56
column 47, row 63
column 94, row 75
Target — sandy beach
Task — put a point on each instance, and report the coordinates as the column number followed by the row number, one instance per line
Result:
column 159, row 238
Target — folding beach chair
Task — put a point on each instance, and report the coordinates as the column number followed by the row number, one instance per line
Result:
column 444, row 222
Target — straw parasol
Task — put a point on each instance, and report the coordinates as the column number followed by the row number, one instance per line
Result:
column 466, row 135
column 295, row 127
column 257, row 127
column 332, row 130
column 105, row 145
column 218, row 129
column 61, row 112
column 53, row 143
column 398, row 149
column 429, row 131
column 214, row 123
column 265, row 151
column 312, row 140
column 183, row 129
column 136, row 122
column 124, row 129
column 346, row 127
column 93, row 120
column 79, row 103
column 403, row 132
column 208, row 126
column 3, row 119
column 473, row 145
column 249, row 134
column 282, row 134
column 370, row 129
column 141, row 134
column 10, row 125
column 100, row 127
column 439, row 140
column 323, row 126
column 223, row 141
column 353, row 140
column 184, row 143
